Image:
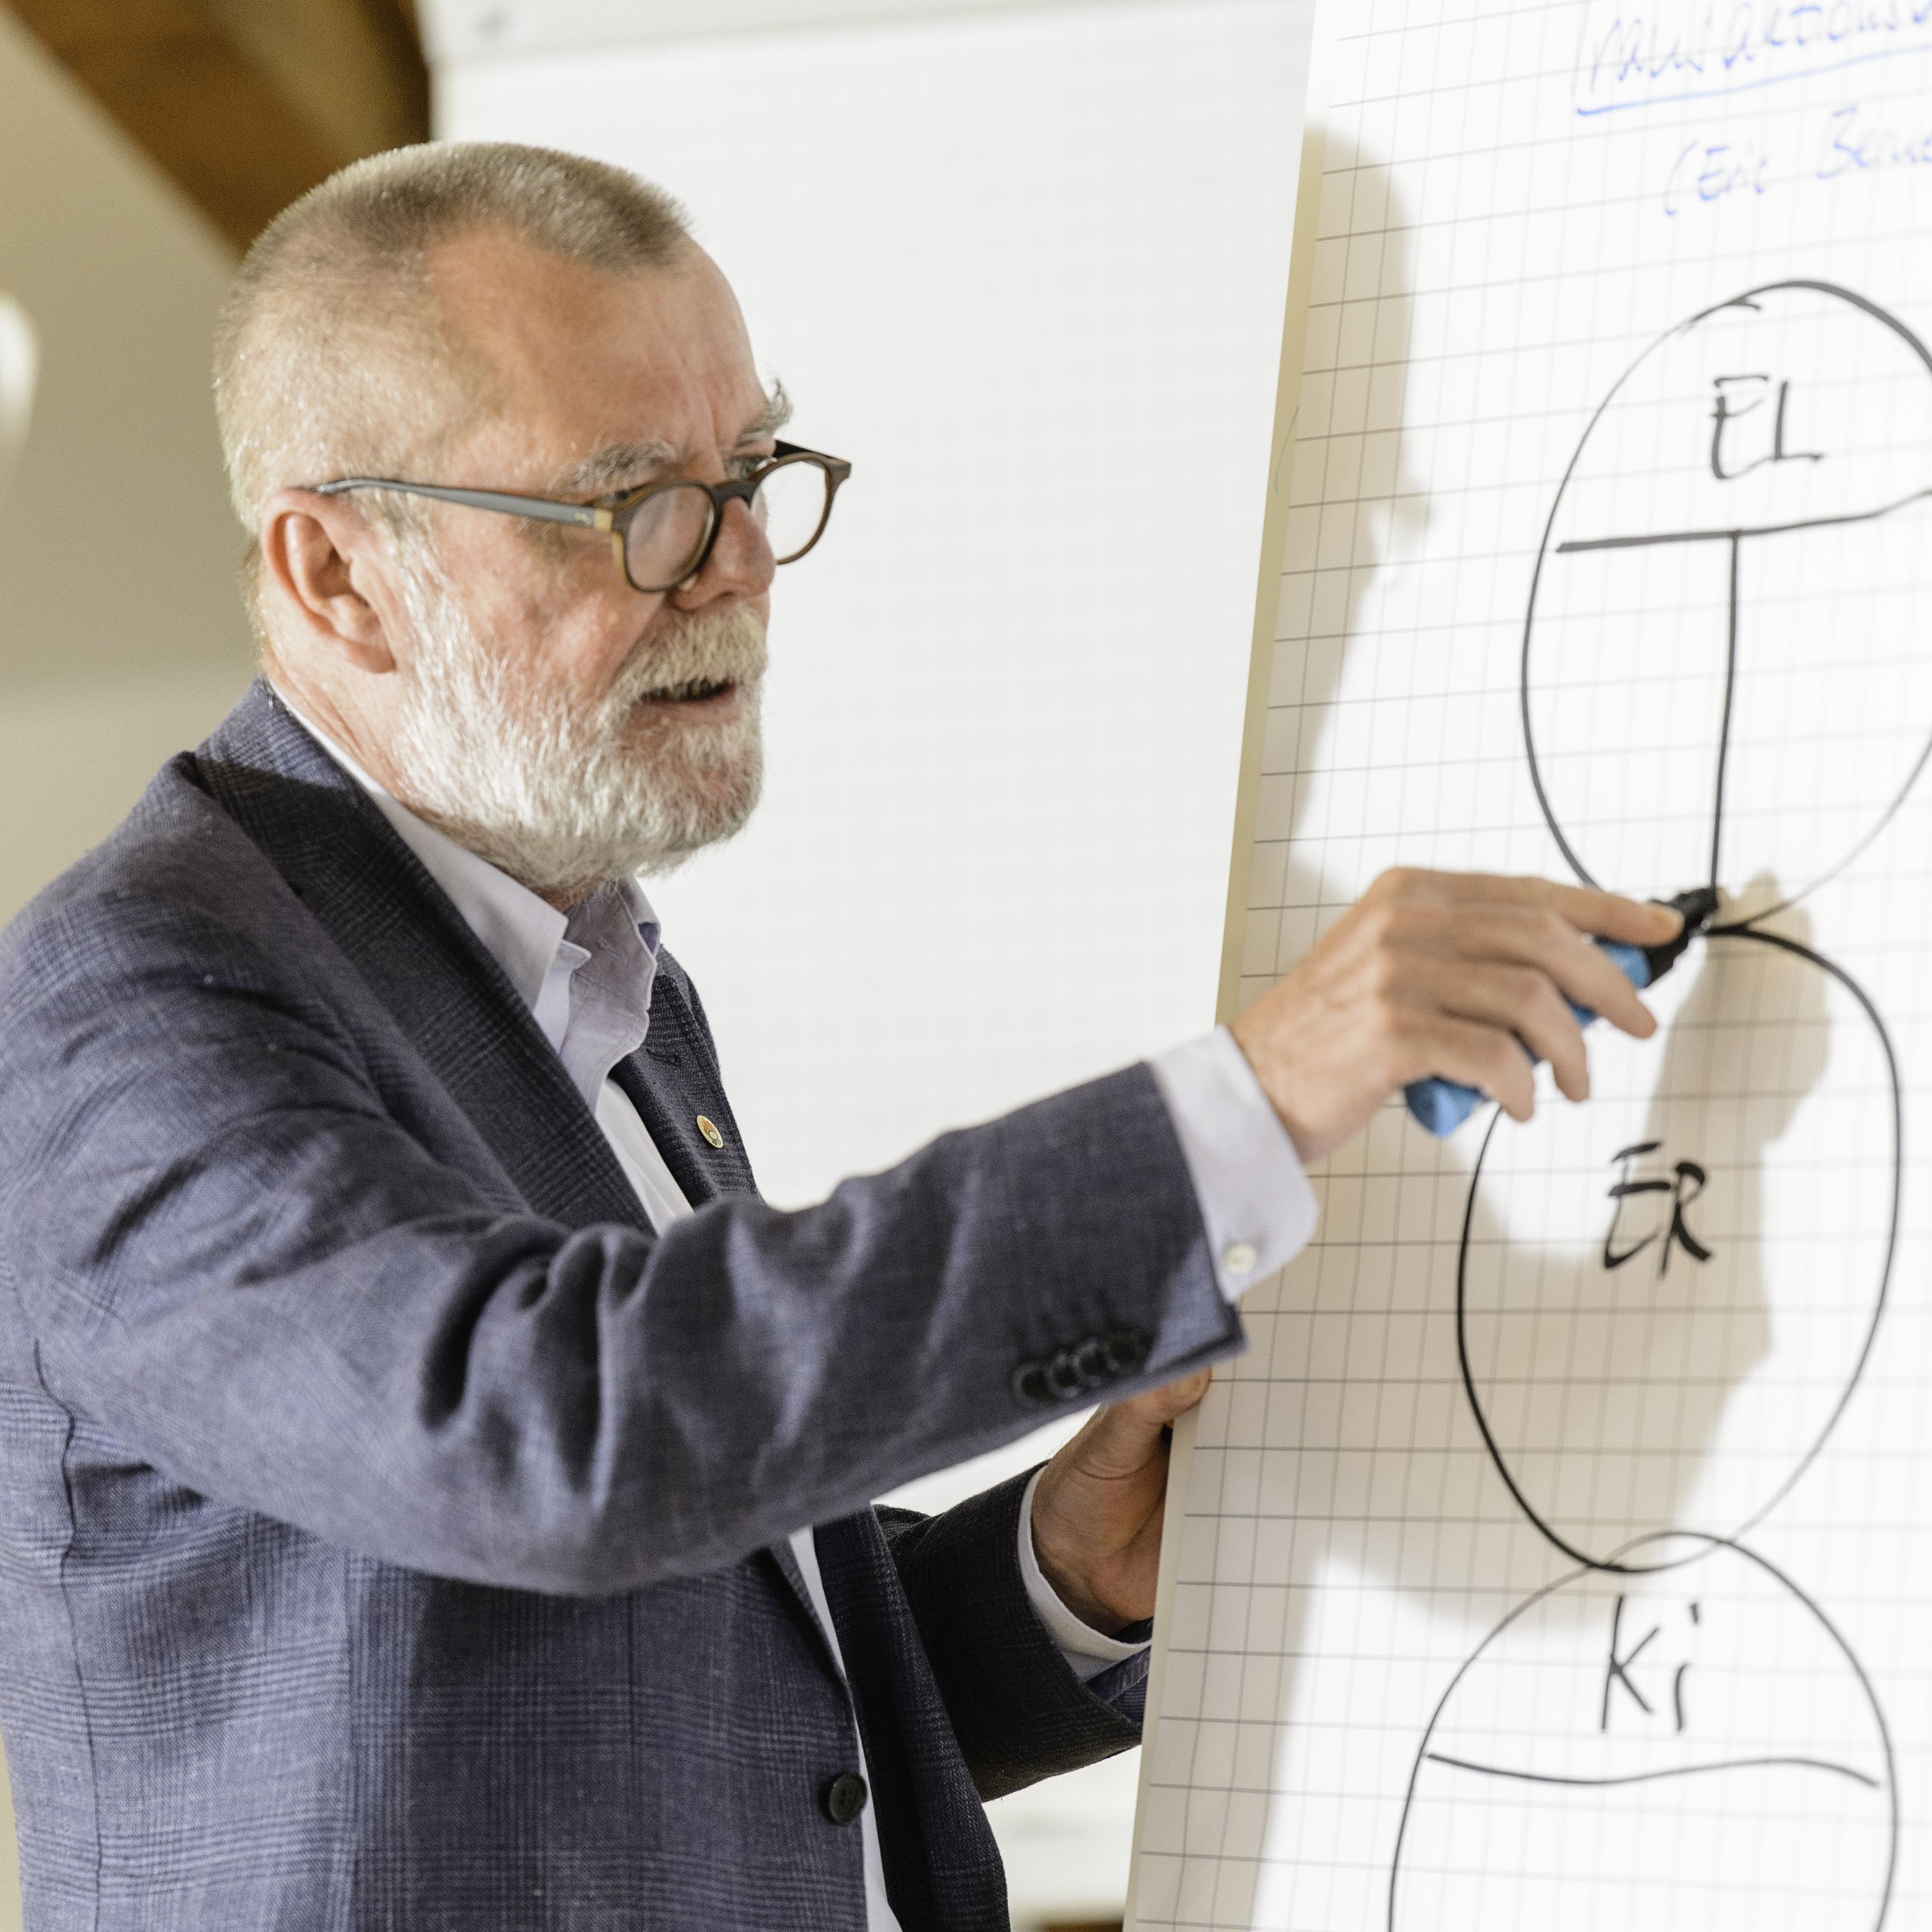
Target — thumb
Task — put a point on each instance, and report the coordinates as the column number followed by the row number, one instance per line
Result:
column 1120, row 1439
column 1161, row 1406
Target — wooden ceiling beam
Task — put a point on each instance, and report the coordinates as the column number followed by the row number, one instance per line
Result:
column 245, row 104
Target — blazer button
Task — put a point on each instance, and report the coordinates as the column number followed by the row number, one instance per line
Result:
column 845, row 1798
column 1127, row 1351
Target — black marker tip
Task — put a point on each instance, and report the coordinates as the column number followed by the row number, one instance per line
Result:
column 1697, row 908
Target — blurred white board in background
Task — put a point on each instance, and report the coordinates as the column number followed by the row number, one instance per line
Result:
column 1025, row 269
column 1560, row 1554
column 1024, row 265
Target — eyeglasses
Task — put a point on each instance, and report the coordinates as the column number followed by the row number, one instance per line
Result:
column 662, row 534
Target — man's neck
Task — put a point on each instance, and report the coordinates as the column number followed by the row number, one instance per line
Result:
column 324, row 722
column 349, row 731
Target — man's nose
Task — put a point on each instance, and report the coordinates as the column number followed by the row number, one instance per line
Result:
column 740, row 565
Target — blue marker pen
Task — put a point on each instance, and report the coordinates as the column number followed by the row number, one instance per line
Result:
column 1443, row 1105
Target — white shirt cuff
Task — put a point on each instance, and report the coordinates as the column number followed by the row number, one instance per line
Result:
column 1255, row 1201
column 1085, row 1648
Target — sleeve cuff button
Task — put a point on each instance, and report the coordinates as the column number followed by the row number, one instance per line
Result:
column 1240, row 1257
column 1028, row 1384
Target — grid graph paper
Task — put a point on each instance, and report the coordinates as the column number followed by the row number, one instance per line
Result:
column 1560, row 1552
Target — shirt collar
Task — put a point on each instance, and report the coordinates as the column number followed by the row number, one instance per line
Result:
column 540, row 949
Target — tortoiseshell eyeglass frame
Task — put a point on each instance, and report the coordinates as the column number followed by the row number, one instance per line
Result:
column 616, row 517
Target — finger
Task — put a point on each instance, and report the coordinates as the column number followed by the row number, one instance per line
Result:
column 1523, row 1001
column 1611, row 915
column 1605, row 915
column 1544, row 941
column 1588, row 975
column 1489, row 1058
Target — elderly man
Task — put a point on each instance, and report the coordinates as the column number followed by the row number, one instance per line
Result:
column 437, row 1488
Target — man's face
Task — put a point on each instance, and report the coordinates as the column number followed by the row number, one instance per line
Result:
column 562, row 723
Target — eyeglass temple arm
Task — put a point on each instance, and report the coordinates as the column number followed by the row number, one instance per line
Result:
column 837, row 468
column 585, row 516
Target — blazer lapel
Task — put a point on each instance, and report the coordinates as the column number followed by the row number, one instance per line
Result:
column 450, row 999
column 672, row 1081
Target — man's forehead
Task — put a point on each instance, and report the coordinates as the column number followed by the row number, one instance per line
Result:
column 648, row 367
column 491, row 276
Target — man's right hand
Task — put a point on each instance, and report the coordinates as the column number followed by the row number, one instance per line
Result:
column 1446, row 973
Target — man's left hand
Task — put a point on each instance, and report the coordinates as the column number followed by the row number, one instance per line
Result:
column 1097, row 1508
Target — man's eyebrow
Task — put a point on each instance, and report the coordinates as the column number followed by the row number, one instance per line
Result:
column 773, row 417
column 611, row 468
column 618, row 465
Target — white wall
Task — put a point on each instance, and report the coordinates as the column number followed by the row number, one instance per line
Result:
column 1025, row 267
column 120, row 638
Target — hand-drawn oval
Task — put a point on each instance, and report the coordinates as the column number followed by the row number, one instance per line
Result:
column 1721, row 673
column 1625, row 1263
column 1692, row 1744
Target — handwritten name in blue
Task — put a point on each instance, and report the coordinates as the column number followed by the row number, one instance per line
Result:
column 1855, row 142
column 1848, row 141
column 1693, row 52
column 1707, row 171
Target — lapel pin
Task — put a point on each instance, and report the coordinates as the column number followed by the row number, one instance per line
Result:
column 709, row 1132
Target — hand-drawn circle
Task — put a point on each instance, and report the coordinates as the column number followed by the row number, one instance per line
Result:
column 1581, row 1761
column 1598, row 1376
column 1733, row 547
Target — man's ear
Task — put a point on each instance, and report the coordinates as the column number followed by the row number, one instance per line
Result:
column 331, row 573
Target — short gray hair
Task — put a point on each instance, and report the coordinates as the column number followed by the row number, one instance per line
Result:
column 332, row 357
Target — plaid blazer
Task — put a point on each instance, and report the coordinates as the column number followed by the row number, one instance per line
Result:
column 391, row 1524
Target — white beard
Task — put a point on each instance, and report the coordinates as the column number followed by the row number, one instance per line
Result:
column 561, row 794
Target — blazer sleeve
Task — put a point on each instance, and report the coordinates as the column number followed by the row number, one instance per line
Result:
column 230, row 1252
column 1017, row 1710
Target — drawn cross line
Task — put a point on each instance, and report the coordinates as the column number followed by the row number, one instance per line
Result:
column 1738, row 533
column 1650, row 1777
column 1736, row 538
